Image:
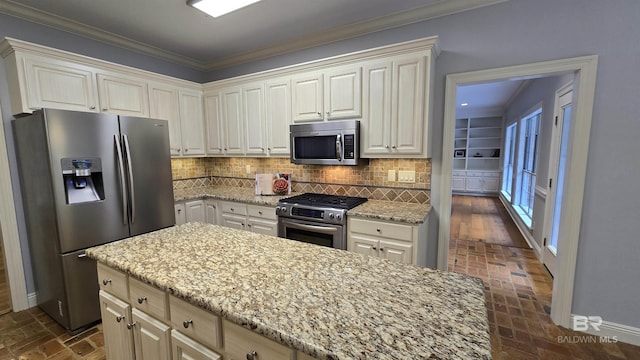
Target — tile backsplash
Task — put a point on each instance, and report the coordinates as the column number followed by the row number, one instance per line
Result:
column 368, row 180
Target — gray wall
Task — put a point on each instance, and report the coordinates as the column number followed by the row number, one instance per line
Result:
column 542, row 91
column 525, row 31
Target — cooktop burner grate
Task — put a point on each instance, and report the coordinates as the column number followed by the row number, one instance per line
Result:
column 324, row 200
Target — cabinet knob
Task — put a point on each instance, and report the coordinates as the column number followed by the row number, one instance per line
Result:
column 186, row 323
column 253, row 355
column 378, row 230
column 232, row 209
column 260, row 212
column 104, row 109
column 381, row 249
column 319, row 114
column 225, row 149
column 106, row 281
column 269, row 149
column 179, row 211
column 142, row 299
column 186, row 150
column 92, row 107
column 328, row 114
column 119, row 318
column 248, row 225
column 386, row 146
column 131, row 325
column 178, row 150
column 374, row 248
column 393, row 147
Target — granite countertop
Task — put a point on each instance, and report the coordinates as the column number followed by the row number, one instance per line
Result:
column 392, row 211
column 328, row 303
column 376, row 209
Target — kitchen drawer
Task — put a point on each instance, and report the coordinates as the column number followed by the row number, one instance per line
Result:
column 262, row 212
column 185, row 348
column 149, row 299
column 200, row 324
column 475, row 173
column 240, row 342
column 458, row 173
column 381, row 229
column 113, row 281
column 233, row 208
column 491, row 174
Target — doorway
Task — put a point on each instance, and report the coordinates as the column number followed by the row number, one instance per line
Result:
column 569, row 229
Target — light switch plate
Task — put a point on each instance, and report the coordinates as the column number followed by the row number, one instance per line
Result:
column 248, row 169
column 391, row 175
column 407, row 176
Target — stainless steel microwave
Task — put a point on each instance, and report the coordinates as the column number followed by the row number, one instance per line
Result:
column 326, row 143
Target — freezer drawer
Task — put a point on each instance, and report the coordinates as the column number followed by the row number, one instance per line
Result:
column 81, row 289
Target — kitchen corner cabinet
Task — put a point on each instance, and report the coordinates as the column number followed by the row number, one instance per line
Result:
column 123, row 95
column 396, row 106
column 255, row 218
column 405, row 243
column 196, row 211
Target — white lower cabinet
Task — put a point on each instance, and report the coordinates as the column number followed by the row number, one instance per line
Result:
column 151, row 337
column 211, row 211
column 195, row 211
column 181, row 214
column 405, row 243
column 475, row 181
column 184, row 348
column 116, row 315
column 256, row 218
column 240, row 344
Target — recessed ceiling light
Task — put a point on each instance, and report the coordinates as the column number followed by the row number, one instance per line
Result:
column 464, row 104
column 217, row 8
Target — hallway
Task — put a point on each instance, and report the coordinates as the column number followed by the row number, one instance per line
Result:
column 517, row 288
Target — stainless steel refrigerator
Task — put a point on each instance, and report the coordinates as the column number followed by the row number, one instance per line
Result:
column 87, row 179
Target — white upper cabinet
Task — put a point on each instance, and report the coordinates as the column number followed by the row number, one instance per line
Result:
column 254, row 119
column 278, row 116
column 192, row 122
column 123, row 95
column 59, row 85
column 342, row 93
column 213, row 117
column 396, row 100
column 163, row 104
column 307, row 104
column 232, row 120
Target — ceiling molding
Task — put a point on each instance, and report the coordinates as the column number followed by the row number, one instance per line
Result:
column 438, row 9
column 48, row 19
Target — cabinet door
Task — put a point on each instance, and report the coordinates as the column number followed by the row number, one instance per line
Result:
column 262, row 226
column 192, row 121
column 232, row 119
column 342, row 93
column 116, row 315
column 59, row 85
column 233, row 221
column 195, row 211
column 457, row 183
column 307, row 103
column 490, row 184
column 407, row 104
column 123, row 95
column 213, row 117
column 362, row 244
column 396, row 251
column 152, row 338
column 181, row 214
column 474, row 184
column 163, row 104
column 184, row 348
column 375, row 126
column 211, row 211
column 278, row 116
column 254, row 119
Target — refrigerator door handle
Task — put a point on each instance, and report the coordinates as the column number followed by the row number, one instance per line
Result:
column 122, row 179
column 130, row 170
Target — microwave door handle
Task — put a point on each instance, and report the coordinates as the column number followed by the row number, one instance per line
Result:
column 339, row 147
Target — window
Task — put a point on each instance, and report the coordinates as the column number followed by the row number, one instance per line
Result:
column 520, row 164
column 509, row 161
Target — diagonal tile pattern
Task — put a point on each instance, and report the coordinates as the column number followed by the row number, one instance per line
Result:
column 517, row 290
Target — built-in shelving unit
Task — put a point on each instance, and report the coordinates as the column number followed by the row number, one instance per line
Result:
column 477, row 154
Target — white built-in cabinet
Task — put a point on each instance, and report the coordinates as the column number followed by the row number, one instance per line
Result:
column 387, row 88
column 198, row 210
column 255, row 218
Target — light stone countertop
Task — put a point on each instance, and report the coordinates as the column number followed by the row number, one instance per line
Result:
column 377, row 209
column 328, row 303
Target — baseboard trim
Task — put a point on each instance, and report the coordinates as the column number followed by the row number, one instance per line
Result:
column 614, row 332
column 32, row 299
column 520, row 225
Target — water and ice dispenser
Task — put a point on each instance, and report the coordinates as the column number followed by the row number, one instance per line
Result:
column 82, row 180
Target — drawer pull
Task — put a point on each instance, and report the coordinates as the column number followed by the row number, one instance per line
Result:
column 378, row 230
column 119, row 318
column 106, row 281
column 381, row 249
column 186, row 323
column 232, row 209
column 131, row 325
column 375, row 248
column 253, row 355
column 260, row 212
column 142, row 299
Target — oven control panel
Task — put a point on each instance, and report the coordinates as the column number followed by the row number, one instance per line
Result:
column 324, row 215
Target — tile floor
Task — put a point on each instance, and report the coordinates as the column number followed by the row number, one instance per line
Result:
column 518, row 291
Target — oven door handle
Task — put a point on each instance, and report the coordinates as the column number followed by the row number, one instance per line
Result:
column 321, row 229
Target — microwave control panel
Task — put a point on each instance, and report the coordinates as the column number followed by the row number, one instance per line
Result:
column 349, row 147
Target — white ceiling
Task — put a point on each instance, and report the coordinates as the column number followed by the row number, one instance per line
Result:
column 172, row 30
column 488, row 96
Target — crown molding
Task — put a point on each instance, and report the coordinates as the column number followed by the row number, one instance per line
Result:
column 435, row 10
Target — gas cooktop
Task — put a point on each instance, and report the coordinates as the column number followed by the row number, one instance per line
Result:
column 325, row 201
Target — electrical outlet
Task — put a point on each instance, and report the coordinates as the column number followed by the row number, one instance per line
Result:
column 391, row 175
column 407, row 176
column 248, row 169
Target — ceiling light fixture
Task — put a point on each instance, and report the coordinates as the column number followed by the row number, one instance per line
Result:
column 464, row 104
column 217, row 8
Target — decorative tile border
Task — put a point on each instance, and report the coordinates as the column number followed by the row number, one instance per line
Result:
column 185, row 184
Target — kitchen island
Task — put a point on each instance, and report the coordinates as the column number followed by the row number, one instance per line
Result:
column 326, row 303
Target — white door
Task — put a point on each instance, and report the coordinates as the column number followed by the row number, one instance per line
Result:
column 213, row 121
column 163, row 104
column 375, row 126
column 558, row 167
column 123, row 95
column 192, row 122
column 278, row 112
column 342, row 93
column 210, row 211
column 181, row 216
column 152, row 338
column 407, row 104
column 307, row 104
column 232, row 119
column 195, row 211
column 396, row 251
column 116, row 314
column 253, row 106
column 362, row 245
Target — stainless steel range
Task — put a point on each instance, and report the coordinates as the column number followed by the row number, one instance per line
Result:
column 316, row 218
